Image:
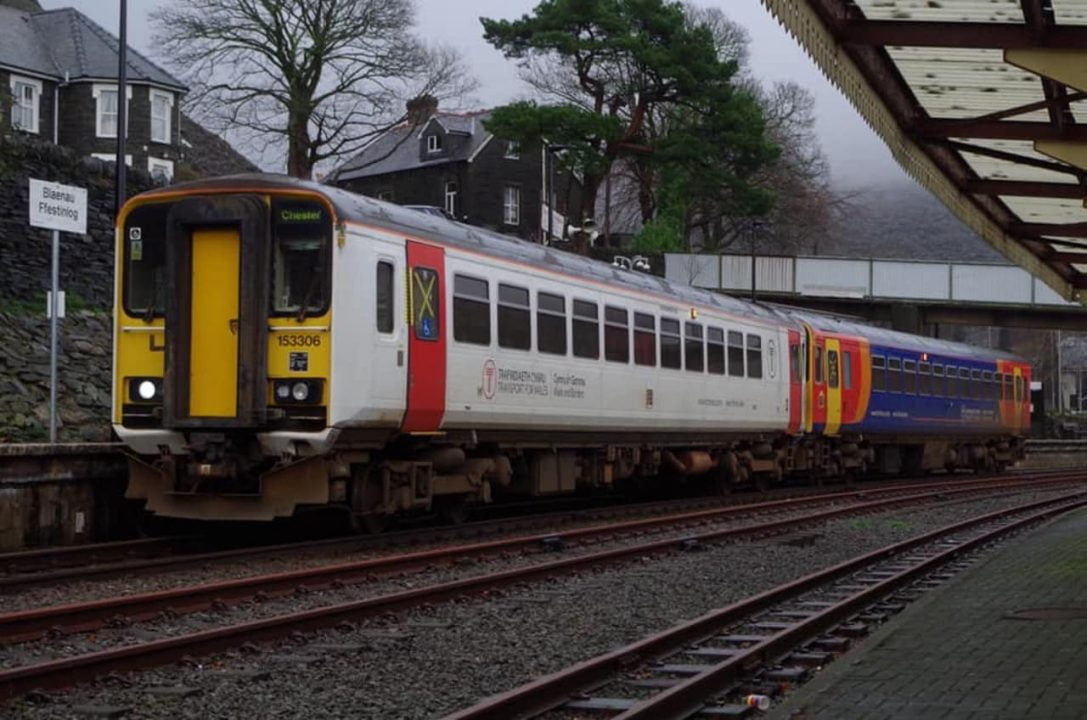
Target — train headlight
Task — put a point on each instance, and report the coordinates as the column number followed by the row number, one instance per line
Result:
column 283, row 391
column 146, row 389
column 300, row 391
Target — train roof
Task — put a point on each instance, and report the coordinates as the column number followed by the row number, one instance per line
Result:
column 353, row 207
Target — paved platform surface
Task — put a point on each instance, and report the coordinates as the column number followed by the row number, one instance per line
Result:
column 956, row 654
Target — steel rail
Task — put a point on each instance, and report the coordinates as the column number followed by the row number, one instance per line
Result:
column 26, row 625
column 68, row 671
column 552, row 691
column 29, row 561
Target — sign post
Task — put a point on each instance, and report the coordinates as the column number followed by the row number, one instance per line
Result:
column 56, row 207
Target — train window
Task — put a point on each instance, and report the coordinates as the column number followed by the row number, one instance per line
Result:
column 795, row 355
column 645, row 340
column 471, row 310
column 145, row 260
column 551, row 323
column 832, row 368
column 384, row 289
column 964, row 383
column 693, row 348
column 735, row 353
column 1007, row 386
column 894, row 374
column 670, row 352
column 514, row 318
column 847, row 370
column 879, row 373
column 300, row 232
column 819, row 366
column 977, row 388
column 987, row 385
column 715, row 350
column 754, row 356
column 586, row 329
column 616, row 335
column 939, row 384
column 924, row 379
column 1018, row 388
column 909, row 377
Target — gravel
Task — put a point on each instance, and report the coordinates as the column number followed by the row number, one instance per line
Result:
column 433, row 660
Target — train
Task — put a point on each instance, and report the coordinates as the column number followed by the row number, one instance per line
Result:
column 282, row 346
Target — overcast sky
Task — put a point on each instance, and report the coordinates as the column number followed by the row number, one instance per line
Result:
column 857, row 156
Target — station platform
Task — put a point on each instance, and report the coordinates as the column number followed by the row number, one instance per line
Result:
column 965, row 650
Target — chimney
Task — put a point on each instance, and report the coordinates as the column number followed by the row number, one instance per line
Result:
column 421, row 108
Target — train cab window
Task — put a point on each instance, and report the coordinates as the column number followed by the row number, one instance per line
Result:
column 300, row 240
column 879, row 372
column 894, row 374
column 735, row 353
column 693, row 349
column 645, row 340
column 670, row 345
column 847, row 370
column 964, row 383
column 939, row 384
column 715, row 350
column 616, row 335
column 832, row 368
column 754, row 356
column 145, row 260
column 384, row 300
column 924, row 379
column 586, row 329
column 551, row 323
column 514, row 318
column 909, row 377
column 471, row 310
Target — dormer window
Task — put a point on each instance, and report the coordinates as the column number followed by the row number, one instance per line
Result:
column 433, row 143
column 513, row 150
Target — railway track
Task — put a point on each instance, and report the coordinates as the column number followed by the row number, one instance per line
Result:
column 74, row 618
column 722, row 663
column 152, row 556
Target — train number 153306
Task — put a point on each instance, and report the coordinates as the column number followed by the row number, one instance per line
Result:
column 299, row 340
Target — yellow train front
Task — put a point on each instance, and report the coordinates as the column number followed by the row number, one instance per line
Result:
column 222, row 349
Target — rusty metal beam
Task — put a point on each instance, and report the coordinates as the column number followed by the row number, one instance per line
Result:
column 1013, row 158
column 958, row 34
column 1047, row 104
column 1023, row 188
column 1067, row 257
column 999, row 130
column 1075, row 230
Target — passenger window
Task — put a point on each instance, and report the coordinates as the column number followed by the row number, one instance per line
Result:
column 645, row 340
column 670, row 350
column 909, row 376
column 754, row 356
column 894, row 374
column 551, row 323
column 1007, row 386
column 820, row 363
column 514, row 318
column 616, row 335
column 847, row 370
column 735, row 353
column 939, row 388
column 964, row 383
column 987, row 385
column 692, row 348
column 471, row 310
column 832, row 368
column 924, row 379
column 586, row 329
column 879, row 373
column 426, row 317
column 384, row 300
column 1018, row 388
column 977, row 388
column 715, row 350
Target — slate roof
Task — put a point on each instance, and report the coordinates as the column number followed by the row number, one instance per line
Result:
column 56, row 42
column 210, row 154
column 398, row 149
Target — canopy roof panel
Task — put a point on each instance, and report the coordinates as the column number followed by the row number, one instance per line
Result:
column 983, row 101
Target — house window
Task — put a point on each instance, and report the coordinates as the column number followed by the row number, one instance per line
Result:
column 110, row 157
column 451, row 198
column 105, row 97
column 513, row 150
column 26, row 98
column 511, row 205
column 161, row 106
column 433, row 143
column 160, row 170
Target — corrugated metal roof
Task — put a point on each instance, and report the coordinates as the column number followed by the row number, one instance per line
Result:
column 960, row 92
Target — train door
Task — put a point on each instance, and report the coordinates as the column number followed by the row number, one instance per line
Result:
column 387, row 375
column 426, row 339
column 1020, row 412
column 796, row 388
column 213, row 347
column 833, row 385
column 815, row 409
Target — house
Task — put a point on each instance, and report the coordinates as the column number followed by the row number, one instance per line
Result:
column 58, row 82
column 450, row 161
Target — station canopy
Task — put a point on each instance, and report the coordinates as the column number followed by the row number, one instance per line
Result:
column 984, row 102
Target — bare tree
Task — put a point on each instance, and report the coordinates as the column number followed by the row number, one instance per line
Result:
column 326, row 76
